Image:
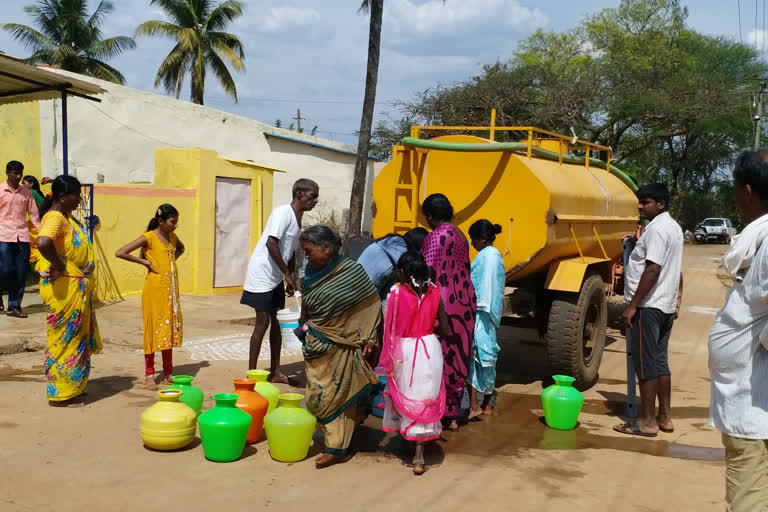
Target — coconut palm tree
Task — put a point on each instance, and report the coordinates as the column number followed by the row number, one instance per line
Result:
column 69, row 38
column 201, row 45
column 376, row 9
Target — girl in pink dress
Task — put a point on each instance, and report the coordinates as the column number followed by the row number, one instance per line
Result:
column 414, row 400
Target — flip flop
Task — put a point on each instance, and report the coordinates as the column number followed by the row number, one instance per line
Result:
column 632, row 429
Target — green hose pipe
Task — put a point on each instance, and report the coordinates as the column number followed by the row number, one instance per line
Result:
column 469, row 147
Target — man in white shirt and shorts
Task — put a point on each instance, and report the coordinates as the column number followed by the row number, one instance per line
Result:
column 652, row 279
column 738, row 345
column 272, row 262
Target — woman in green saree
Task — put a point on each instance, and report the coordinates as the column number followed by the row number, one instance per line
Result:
column 340, row 312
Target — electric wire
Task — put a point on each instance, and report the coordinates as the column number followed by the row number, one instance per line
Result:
column 738, row 5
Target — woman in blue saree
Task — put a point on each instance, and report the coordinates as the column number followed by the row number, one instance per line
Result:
column 488, row 279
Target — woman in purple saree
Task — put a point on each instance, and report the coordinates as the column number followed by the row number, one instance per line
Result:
column 446, row 251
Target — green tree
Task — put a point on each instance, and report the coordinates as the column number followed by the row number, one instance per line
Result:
column 71, row 39
column 673, row 104
column 201, row 45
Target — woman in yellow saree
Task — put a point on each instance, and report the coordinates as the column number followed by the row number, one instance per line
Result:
column 66, row 287
column 340, row 312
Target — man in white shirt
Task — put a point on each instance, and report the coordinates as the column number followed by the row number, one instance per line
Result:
column 651, row 282
column 272, row 262
column 738, row 345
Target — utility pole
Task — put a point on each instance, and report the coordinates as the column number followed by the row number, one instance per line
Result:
column 759, row 116
column 299, row 119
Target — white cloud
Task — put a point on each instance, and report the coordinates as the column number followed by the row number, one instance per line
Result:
column 757, row 39
column 438, row 17
column 281, row 18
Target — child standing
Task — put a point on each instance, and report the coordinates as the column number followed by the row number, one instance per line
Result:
column 412, row 357
column 488, row 279
column 160, row 248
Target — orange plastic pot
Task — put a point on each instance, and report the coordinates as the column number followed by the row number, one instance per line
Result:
column 252, row 403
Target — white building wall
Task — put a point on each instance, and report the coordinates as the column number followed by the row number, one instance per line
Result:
column 114, row 142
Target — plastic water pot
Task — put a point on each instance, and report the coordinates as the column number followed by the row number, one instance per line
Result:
column 254, row 404
column 223, row 429
column 264, row 388
column 289, row 429
column 562, row 403
column 192, row 395
column 168, row 424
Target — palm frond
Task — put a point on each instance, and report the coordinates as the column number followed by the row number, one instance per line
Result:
column 103, row 71
column 224, row 14
column 365, row 7
column 230, row 41
column 201, row 9
column 40, row 57
column 189, row 39
column 222, row 74
column 178, row 11
column 174, row 64
column 111, row 47
column 233, row 58
column 65, row 53
column 28, row 37
column 158, row 28
column 97, row 18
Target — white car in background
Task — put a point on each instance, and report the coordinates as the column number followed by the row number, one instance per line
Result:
column 718, row 229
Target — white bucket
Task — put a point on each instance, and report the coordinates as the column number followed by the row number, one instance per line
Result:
column 289, row 320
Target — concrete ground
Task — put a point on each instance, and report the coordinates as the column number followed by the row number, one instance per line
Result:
column 92, row 457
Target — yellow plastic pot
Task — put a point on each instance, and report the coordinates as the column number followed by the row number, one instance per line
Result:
column 169, row 424
column 264, row 388
column 289, row 429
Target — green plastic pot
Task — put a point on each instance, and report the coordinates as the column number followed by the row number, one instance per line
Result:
column 562, row 403
column 264, row 388
column 289, row 429
column 192, row 395
column 223, row 429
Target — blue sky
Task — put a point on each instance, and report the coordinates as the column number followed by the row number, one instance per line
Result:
column 311, row 54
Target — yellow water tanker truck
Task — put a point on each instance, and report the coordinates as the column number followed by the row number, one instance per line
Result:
column 563, row 213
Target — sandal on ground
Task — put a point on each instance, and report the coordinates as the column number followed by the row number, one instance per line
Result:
column 167, row 381
column 16, row 313
column 633, row 430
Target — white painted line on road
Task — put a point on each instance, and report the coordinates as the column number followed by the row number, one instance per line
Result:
column 232, row 347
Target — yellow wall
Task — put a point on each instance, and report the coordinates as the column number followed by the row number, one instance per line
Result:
column 198, row 169
column 20, row 136
column 186, row 178
column 124, row 211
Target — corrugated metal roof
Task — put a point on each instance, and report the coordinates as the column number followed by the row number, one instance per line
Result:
column 20, row 82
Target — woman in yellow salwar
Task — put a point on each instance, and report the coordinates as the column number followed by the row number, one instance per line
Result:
column 340, row 312
column 66, row 287
column 161, row 309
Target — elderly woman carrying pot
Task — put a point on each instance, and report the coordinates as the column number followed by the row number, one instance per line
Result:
column 340, row 312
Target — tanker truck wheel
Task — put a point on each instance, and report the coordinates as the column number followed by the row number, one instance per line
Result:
column 575, row 334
